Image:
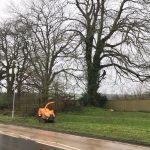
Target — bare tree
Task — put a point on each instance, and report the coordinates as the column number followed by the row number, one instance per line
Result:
column 115, row 34
column 49, row 45
column 12, row 59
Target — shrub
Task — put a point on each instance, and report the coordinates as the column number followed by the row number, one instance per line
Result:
column 85, row 100
column 99, row 100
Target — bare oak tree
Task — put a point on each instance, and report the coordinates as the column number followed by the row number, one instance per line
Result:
column 49, row 44
column 114, row 34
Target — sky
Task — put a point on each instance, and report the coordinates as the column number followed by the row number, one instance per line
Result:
column 108, row 85
column 4, row 7
column 3, row 4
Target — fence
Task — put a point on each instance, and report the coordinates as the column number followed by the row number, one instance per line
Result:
column 129, row 105
column 60, row 106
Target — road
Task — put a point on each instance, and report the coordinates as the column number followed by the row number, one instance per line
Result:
column 53, row 140
column 12, row 143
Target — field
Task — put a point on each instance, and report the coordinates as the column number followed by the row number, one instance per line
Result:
column 132, row 127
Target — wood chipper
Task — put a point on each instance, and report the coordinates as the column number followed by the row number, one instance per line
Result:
column 45, row 114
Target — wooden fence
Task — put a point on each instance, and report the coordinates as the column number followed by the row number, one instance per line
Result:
column 129, row 105
column 60, row 106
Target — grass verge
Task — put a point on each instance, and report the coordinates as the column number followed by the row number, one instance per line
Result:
column 132, row 127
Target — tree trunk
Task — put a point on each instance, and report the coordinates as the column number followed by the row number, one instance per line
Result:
column 18, row 98
column 45, row 92
column 9, row 92
column 93, row 85
column 93, row 71
column 9, row 86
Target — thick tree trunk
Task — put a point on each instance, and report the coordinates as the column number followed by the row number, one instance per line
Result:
column 9, row 92
column 18, row 98
column 92, row 82
column 45, row 92
column 10, row 84
column 93, row 71
column 93, row 85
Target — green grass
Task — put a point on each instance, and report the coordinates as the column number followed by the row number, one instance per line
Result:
column 122, row 126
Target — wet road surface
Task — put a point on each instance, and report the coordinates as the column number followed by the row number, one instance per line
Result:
column 12, row 143
column 64, row 141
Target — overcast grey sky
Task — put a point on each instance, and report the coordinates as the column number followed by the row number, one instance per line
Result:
column 3, row 4
column 4, row 7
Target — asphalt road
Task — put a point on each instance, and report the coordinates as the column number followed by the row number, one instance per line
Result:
column 12, row 143
column 35, row 139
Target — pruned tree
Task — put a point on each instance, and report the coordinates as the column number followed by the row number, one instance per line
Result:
column 114, row 34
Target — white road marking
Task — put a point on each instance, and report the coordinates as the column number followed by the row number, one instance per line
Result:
column 69, row 146
column 48, row 143
column 9, row 134
column 55, row 144
column 24, row 137
column 52, row 145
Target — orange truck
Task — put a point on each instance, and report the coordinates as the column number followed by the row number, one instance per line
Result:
column 45, row 114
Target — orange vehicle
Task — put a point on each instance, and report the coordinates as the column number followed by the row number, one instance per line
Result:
column 45, row 114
